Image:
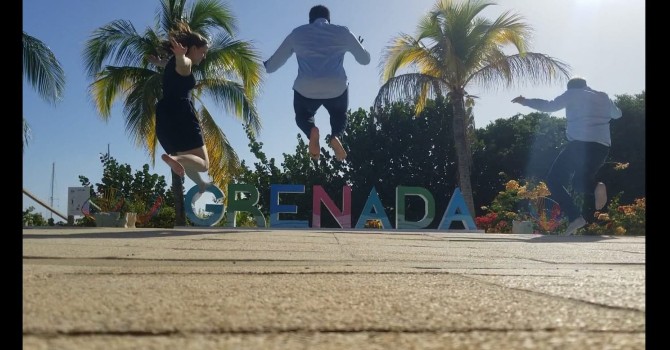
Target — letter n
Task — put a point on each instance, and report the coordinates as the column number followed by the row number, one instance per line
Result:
column 342, row 217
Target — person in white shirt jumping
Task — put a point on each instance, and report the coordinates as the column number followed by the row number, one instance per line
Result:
column 588, row 113
column 319, row 48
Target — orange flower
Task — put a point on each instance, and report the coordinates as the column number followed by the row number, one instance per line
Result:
column 511, row 185
column 620, row 166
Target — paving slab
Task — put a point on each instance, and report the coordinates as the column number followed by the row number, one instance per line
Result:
column 222, row 288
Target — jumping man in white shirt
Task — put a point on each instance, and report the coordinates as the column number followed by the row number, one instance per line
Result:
column 319, row 48
column 588, row 113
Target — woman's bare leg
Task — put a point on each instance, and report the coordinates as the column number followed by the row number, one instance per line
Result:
column 176, row 167
column 192, row 162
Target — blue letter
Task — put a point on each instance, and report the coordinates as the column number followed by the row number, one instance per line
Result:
column 457, row 211
column 215, row 209
column 275, row 208
column 373, row 202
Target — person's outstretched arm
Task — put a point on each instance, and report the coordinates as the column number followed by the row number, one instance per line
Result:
column 284, row 51
column 542, row 105
column 615, row 112
column 157, row 61
column 183, row 66
column 356, row 48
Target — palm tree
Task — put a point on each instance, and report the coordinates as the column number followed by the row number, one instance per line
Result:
column 44, row 72
column 453, row 49
column 230, row 76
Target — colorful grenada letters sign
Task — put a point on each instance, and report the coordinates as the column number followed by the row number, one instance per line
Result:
column 373, row 209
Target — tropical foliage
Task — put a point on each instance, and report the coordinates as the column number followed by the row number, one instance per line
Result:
column 454, row 48
column 628, row 151
column 30, row 218
column 122, row 190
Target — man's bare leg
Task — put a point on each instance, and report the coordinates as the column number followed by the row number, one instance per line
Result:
column 314, row 148
column 340, row 153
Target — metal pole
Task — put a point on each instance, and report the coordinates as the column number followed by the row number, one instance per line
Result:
column 51, row 199
column 44, row 204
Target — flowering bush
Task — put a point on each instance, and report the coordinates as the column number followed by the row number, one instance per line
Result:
column 373, row 223
column 620, row 219
column 527, row 202
column 548, row 220
column 492, row 223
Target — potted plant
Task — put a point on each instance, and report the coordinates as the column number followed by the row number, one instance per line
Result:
column 132, row 209
column 109, row 206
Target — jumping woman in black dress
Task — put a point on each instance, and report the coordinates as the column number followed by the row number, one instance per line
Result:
column 177, row 125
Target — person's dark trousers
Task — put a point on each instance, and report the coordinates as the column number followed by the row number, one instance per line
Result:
column 305, row 109
column 576, row 167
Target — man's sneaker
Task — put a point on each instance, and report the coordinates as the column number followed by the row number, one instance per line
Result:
column 574, row 225
column 601, row 195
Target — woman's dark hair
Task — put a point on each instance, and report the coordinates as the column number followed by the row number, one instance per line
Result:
column 319, row 11
column 182, row 34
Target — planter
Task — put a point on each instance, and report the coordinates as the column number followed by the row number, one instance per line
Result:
column 107, row 219
column 522, row 227
column 129, row 220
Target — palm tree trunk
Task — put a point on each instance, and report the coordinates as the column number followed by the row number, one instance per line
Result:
column 463, row 154
column 178, row 193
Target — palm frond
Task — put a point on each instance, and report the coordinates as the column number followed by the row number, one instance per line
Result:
column 171, row 11
column 402, row 53
column 235, row 60
column 140, row 105
column 206, row 15
column 232, row 97
column 27, row 133
column 489, row 38
column 223, row 160
column 530, row 67
column 413, row 87
column 42, row 70
column 457, row 46
column 117, row 42
column 115, row 82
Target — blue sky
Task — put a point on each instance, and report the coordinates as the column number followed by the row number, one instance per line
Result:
column 602, row 40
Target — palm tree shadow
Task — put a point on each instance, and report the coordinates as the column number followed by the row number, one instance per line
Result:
column 125, row 234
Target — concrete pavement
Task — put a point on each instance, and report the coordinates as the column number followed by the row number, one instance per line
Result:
column 219, row 288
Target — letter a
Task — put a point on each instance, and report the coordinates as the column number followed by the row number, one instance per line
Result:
column 373, row 202
column 457, row 210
